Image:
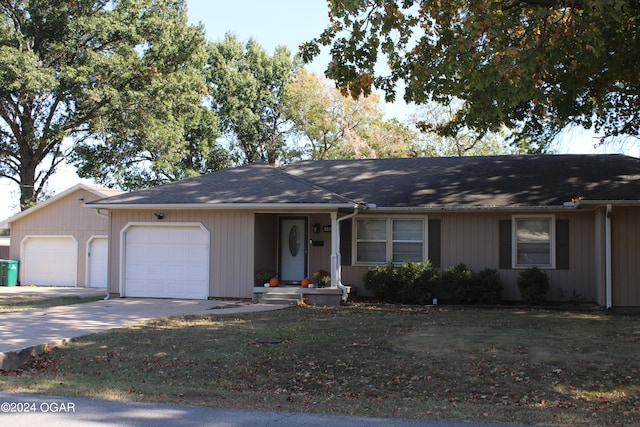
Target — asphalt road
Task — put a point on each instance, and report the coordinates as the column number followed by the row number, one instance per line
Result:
column 19, row 410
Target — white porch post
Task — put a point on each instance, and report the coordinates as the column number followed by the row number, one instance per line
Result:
column 335, row 250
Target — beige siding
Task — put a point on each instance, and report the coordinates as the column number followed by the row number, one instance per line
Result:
column 473, row 239
column 64, row 217
column 319, row 256
column 625, row 257
column 231, row 247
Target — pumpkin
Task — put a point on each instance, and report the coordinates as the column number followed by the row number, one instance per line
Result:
column 305, row 282
column 273, row 282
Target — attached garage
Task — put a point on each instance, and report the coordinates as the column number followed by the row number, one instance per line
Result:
column 49, row 261
column 165, row 261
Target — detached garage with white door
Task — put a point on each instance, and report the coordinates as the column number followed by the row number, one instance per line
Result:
column 50, row 260
column 60, row 242
column 165, row 261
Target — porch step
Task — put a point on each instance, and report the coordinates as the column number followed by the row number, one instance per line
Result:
column 281, row 298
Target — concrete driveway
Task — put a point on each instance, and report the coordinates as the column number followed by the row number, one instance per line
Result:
column 27, row 333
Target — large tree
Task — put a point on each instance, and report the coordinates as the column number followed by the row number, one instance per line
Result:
column 466, row 142
column 331, row 126
column 247, row 86
column 92, row 71
column 532, row 65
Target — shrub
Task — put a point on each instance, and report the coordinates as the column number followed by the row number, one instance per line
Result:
column 489, row 286
column 410, row 283
column 459, row 281
column 469, row 288
column 534, row 285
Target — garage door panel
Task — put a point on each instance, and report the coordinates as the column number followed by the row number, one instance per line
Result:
column 98, row 256
column 50, row 261
column 167, row 262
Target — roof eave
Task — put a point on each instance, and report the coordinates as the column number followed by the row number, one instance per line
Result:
column 219, row 206
column 463, row 208
column 595, row 203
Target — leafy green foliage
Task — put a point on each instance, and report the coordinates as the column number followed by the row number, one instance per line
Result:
column 489, row 286
column 459, row 281
column 117, row 78
column 246, row 87
column 534, row 65
column 466, row 287
column 533, row 284
column 410, row 283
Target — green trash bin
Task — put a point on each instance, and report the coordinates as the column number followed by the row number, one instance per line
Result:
column 8, row 272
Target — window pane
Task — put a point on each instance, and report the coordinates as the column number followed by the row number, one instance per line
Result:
column 534, row 230
column 372, row 252
column 533, row 241
column 372, row 229
column 407, row 230
column 534, row 254
column 407, row 252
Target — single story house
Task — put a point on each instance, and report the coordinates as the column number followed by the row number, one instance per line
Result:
column 575, row 216
column 60, row 243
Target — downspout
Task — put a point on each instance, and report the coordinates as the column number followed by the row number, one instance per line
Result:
column 336, row 256
column 607, row 256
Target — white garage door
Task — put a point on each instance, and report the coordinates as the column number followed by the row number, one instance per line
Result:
column 98, row 253
column 50, row 261
column 166, row 262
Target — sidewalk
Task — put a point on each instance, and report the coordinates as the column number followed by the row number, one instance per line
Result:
column 27, row 333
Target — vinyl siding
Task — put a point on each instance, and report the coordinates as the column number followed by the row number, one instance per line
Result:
column 231, row 247
column 64, row 217
column 625, row 257
column 473, row 239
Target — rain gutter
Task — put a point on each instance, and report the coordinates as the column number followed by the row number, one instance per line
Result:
column 336, row 256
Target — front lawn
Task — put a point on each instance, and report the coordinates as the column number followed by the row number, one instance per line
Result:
column 23, row 302
column 489, row 365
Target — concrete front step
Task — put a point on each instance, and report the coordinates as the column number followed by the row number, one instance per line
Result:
column 281, row 298
column 296, row 295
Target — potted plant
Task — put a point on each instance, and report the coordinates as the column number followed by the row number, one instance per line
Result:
column 264, row 276
column 321, row 278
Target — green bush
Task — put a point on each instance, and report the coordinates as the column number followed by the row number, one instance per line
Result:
column 534, row 285
column 489, row 286
column 469, row 288
column 459, row 281
column 410, row 283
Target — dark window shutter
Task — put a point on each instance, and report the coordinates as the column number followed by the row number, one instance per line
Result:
column 433, row 248
column 505, row 244
column 562, row 244
column 345, row 242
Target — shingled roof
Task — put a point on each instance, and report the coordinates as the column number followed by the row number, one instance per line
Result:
column 252, row 184
column 500, row 181
column 444, row 182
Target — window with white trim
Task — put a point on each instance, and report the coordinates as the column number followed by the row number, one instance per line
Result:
column 385, row 240
column 534, row 241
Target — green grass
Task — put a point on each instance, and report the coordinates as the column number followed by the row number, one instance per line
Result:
column 12, row 303
column 503, row 365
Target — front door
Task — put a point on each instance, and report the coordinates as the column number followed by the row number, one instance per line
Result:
column 293, row 249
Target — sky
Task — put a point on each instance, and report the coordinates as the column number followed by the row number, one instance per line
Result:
column 273, row 23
